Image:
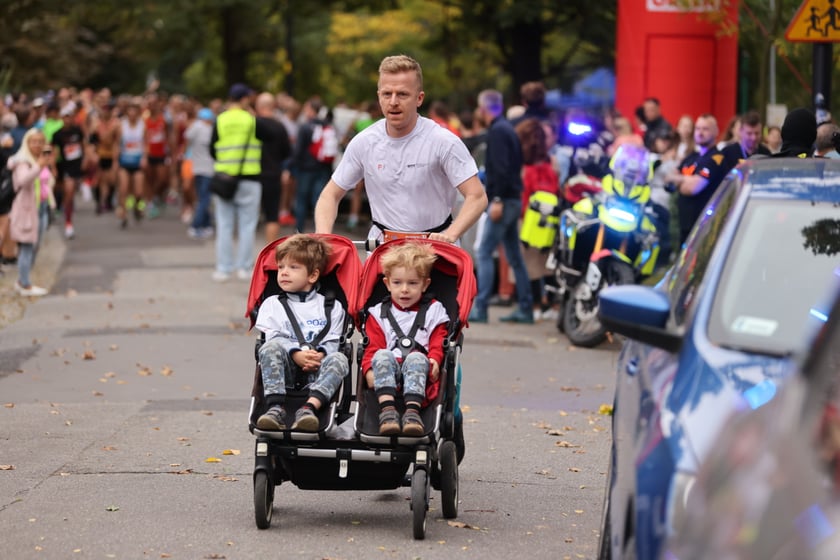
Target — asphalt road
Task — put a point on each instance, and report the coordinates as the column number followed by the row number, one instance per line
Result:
column 123, row 424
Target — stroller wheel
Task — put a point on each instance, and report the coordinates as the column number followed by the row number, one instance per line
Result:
column 449, row 479
column 263, row 499
column 419, row 503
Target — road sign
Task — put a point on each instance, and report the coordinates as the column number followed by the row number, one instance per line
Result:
column 816, row 21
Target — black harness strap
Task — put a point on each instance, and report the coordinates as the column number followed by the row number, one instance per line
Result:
column 406, row 342
column 329, row 303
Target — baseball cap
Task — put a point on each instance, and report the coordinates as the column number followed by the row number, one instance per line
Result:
column 38, row 102
column 206, row 114
column 238, row 91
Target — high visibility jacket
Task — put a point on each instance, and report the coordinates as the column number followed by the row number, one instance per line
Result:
column 234, row 127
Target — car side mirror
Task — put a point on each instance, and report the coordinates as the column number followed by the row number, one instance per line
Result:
column 640, row 313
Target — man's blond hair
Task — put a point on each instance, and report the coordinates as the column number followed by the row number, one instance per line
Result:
column 412, row 255
column 401, row 63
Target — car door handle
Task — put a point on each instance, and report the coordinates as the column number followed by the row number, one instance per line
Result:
column 633, row 367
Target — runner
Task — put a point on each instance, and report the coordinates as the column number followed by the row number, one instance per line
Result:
column 105, row 139
column 157, row 151
column 70, row 141
column 132, row 160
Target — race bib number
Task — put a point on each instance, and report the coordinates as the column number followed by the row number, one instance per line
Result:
column 72, row 151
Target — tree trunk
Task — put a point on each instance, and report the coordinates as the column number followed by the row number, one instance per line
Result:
column 232, row 53
column 525, row 61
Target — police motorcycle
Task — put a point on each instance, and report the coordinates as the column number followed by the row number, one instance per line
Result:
column 606, row 238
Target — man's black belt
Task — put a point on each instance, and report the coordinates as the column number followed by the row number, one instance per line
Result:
column 436, row 229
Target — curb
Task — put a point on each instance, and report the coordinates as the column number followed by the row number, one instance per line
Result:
column 47, row 264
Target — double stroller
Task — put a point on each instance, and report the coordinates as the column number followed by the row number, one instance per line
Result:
column 347, row 452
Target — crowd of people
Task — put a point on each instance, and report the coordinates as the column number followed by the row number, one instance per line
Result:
column 136, row 156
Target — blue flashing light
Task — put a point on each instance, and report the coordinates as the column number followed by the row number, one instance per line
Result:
column 818, row 314
column 569, row 231
column 760, row 394
column 645, row 255
column 579, row 128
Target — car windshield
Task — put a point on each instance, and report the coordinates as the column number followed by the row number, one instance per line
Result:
column 775, row 286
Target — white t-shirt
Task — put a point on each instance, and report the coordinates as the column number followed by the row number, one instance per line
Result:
column 311, row 318
column 435, row 315
column 410, row 181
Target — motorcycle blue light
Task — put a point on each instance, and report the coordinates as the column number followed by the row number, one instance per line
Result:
column 579, row 128
column 645, row 255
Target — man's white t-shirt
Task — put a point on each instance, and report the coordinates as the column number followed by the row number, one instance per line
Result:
column 410, row 181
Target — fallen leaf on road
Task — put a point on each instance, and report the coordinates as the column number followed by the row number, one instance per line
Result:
column 109, row 448
column 183, row 471
column 564, row 444
column 121, row 382
column 212, row 460
column 109, row 375
column 71, row 293
column 9, row 405
column 166, row 371
column 568, row 540
column 569, row 389
column 97, row 393
column 112, row 508
column 231, row 452
column 7, row 467
column 226, row 478
column 207, row 412
column 144, row 371
column 578, row 511
column 563, row 413
column 165, row 555
column 215, row 556
column 574, row 469
column 68, row 422
column 113, row 347
column 54, row 412
column 174, row 464
column 462, row 525
column 605, row 409
column 183, row 439
column 89, row 355
column 555, row 432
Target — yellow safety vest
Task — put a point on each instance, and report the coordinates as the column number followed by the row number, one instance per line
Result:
column 234, row 148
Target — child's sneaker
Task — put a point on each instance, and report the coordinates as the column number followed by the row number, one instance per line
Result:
column 306, row 420
column 273, row 419
column 413, row 424
column 389, row 422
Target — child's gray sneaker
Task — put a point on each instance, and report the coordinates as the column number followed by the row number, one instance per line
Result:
column 306, row 420
column 273, row 419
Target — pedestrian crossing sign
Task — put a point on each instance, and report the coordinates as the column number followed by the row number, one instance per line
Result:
column 816, row 21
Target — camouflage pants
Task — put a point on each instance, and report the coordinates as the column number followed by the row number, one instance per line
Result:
column 278, row 371
column 387, row 371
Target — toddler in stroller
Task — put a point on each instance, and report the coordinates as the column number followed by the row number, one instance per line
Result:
column 405, row 333
column 288, row 352
column 300, row 289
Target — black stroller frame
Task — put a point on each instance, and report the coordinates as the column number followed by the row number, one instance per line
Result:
column 347, row 452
